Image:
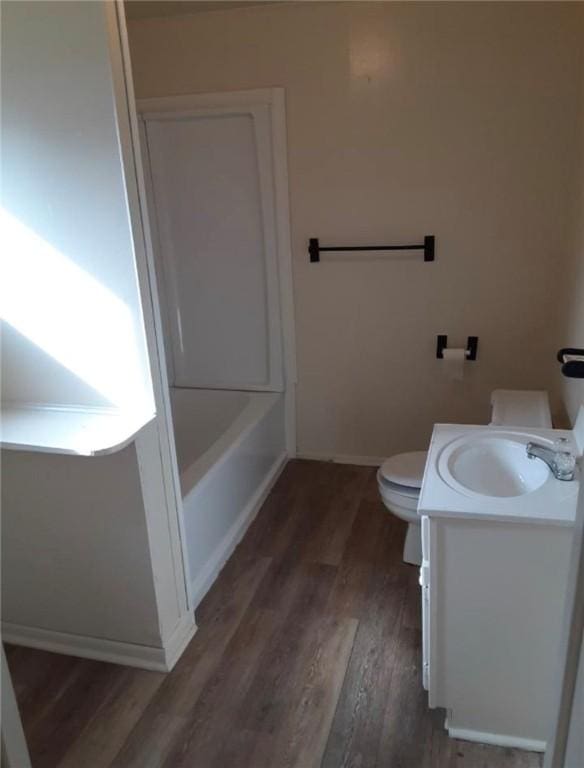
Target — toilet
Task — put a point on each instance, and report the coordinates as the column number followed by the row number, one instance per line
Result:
column 400, row 477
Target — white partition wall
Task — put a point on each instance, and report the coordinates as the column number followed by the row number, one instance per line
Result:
column 91, row 562
column 70, row 300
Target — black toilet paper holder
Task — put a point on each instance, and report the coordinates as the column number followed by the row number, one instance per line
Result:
column 573, row 369
column 471, row 346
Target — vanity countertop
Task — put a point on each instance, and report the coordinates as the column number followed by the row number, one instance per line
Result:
column 552, row 502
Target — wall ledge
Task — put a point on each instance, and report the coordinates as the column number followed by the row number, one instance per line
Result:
column 73, row 430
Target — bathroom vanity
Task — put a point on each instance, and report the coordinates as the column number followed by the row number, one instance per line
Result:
column 496, row 536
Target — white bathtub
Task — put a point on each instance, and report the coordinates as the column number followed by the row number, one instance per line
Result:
column 230, row 448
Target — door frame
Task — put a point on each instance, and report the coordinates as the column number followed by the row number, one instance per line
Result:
column 274, row 100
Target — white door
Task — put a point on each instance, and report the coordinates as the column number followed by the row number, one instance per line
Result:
column 212, row 195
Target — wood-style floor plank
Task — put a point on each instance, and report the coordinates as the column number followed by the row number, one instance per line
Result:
column 301, row 735
column 73, row 707
column 358, row 723
column 108, row 729
column 222, row 612
column 307, row 654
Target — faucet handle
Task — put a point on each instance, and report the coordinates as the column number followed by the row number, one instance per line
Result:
column 566, row 464
column 564, row 459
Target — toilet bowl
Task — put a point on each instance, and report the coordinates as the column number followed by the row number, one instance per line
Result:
column 400, row 477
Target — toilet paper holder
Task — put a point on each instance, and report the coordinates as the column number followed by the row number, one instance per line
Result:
column 572, row 359
column 471, row 346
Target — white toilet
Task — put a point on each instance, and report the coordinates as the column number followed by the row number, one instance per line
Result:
column 400, row 477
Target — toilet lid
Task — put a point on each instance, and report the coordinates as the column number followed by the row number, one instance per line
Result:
column 405, row 468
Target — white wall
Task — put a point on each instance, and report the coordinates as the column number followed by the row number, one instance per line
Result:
column 74, row 332
column 77, row 561
column 406, row 119
column 90, row 546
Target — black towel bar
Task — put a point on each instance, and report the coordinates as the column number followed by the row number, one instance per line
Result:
column 315, row 249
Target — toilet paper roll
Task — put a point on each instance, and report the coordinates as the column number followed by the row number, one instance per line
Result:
column 454, row 363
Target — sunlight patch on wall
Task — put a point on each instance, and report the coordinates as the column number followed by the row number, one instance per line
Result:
column 70, row 315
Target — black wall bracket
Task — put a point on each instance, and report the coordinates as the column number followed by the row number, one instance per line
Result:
column 471, row 346
column 428, row 246
column 572, row 368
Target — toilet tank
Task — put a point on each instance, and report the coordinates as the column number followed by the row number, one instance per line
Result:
column 520, row 408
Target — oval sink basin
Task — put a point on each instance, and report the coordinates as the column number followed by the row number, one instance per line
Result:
column 492, row 466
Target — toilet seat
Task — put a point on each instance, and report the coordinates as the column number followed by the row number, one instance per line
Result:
column 398, row 490
column 405, row 470
column 403, row 505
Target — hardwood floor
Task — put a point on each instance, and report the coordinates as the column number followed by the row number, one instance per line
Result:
column 307, row 654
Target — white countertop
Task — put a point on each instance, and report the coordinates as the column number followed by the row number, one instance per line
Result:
column 68, row 430
column 552, row 503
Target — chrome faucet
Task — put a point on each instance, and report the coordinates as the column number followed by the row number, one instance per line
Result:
column 560, row 460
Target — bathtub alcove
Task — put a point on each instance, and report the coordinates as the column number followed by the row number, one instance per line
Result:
column 216, row 185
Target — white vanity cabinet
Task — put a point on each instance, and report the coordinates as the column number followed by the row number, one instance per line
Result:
column 493, row 581
column 493, row 596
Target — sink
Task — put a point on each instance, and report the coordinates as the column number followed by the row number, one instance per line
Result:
column 491, row 465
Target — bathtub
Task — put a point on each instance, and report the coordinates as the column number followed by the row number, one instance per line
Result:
column 230, row 448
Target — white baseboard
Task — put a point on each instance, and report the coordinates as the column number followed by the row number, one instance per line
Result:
column 362, row 461
column 203, row 581
column 100, row 649
column 181, row 636
column 496, row 739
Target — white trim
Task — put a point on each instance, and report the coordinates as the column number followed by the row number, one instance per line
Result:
column 13, row 742
column 363, row 461
column 159, row 282
column 497, row 739
column 286, row 280
column 290, row 419
column 202, row 583
column 434, row 680
column 181, row 636
column 138, row 212
column 275, row 99
column 565, row 717
column 215, row 100
column 101, row 649
column 578, row 430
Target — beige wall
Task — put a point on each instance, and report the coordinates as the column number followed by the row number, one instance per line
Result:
column 405, row 119
column 572, row 315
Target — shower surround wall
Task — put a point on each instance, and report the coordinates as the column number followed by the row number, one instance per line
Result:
column 217, row 191
column 405, row 119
